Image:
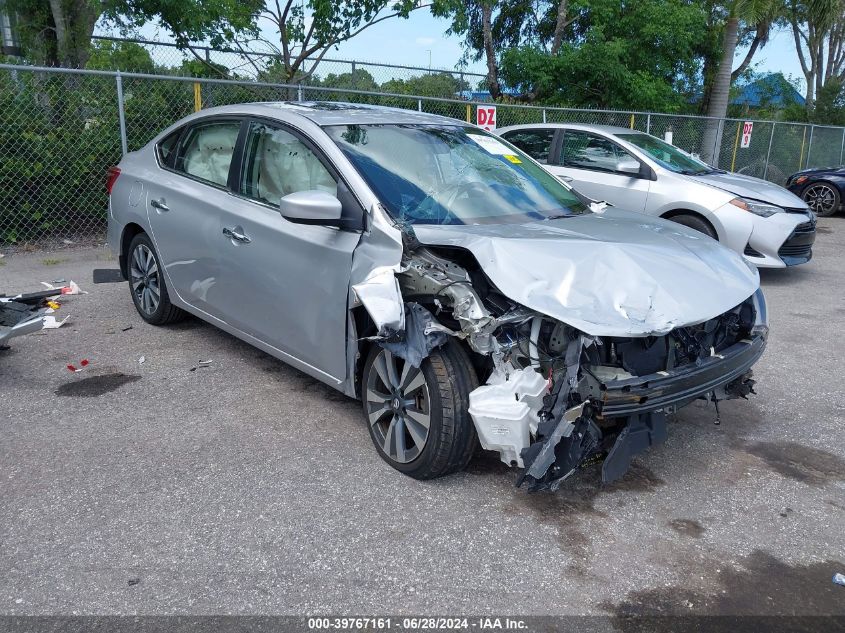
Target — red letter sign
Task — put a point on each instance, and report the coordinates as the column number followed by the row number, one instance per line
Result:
column 485, row 116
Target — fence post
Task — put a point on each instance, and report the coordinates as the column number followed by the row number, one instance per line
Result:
column 469, row 113
column 632, row 120
column 419, row 105
column 842, row 151
column 353, row 76
column 648, row 124
column 299, row 92
column 120, row 114
column 769, row 153
column 810, row 146
column 197, row 96
column 544, row 115
column 736, row 145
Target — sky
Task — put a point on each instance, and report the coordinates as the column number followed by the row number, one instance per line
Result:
column 421, row 40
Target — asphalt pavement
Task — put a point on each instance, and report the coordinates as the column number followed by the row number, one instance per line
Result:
column 246, row 487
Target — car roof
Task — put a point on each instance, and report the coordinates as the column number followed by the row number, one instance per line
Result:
column 334, row 113
column 607, row 129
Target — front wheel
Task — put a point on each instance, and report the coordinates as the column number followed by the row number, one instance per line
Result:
column 694, row 222
column 419, row 418
column 146, row 283
column 822, row 198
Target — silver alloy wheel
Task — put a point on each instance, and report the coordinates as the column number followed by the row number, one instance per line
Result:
column 398, row 407
column 144, row 279
column 820, row 198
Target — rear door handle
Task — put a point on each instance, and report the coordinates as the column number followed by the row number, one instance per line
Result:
column 159, row 204
column 236, row 235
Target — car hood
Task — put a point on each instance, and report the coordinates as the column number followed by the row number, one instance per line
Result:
column 613, row 273
column 755, row 188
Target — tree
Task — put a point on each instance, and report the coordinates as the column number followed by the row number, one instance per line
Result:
column 308, row 29
column 120, row 55
column 640, row 55
column 58, row 32
column 818, row 28
column 735, row 12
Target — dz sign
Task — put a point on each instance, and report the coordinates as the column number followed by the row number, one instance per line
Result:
column 485, row 116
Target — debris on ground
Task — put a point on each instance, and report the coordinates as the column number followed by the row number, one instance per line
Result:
column 200, row 364
column 126, row 329
column 82, row 364
column 52, row 323
column 142, row 360
column 839, row 579
column 784, row 512
column 24, row 313
column 72, row 288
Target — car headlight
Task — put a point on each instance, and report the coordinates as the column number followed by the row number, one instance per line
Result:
column 756, row 207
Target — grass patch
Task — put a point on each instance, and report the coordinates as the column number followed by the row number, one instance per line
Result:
column 47, row 261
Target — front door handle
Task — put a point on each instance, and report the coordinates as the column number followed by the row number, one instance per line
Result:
column 159, row 204
column 236, row 235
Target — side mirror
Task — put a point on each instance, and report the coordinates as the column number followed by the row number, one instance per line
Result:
column 311, row 207
column 628, row 166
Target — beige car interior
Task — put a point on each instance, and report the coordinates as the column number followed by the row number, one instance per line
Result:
column 284, row 165
column 210, row 152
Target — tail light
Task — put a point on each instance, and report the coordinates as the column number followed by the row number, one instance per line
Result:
column 111, row 178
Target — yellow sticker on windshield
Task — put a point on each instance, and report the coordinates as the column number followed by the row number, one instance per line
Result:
column 513, row 159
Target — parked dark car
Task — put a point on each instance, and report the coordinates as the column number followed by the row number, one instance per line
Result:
column 822, row 189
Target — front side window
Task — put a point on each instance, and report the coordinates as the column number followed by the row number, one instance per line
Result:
column 206, row 153
column 451, row 174
column 278, row 163
column 667, row 155
column 583, row 150
column 536, row 143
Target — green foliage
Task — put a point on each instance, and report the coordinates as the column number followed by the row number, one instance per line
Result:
column 830, row 103
column 639, row 55
column 432, row 85
column 120, row 55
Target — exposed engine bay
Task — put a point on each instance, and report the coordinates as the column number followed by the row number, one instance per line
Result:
column 553, row 398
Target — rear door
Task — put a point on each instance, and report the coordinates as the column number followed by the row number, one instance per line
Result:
column 286, row 283
column 591, row 160
column 184, row 202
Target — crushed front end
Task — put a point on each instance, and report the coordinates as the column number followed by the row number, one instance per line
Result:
column 555, row 398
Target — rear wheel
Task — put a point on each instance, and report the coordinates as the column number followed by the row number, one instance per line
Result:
column 694, row 222
column 419, row 417
column 147, row 285
column 822, row 198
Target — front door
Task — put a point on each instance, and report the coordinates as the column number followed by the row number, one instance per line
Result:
column 591, row 161
column 285, row 283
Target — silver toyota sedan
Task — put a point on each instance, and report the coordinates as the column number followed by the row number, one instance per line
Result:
column 439, row 275
column 770, row 226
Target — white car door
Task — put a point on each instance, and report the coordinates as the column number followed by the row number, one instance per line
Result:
column 593, row 162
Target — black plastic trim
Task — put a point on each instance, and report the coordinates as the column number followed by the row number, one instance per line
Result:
column 642, row 394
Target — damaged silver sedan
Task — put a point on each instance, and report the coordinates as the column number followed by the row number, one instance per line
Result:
column 439, row 275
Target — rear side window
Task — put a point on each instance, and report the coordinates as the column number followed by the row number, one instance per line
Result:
column 166, row 147
column 536, row 143
column 207, row 150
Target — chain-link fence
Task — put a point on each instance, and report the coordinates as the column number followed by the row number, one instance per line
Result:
column 61, row 129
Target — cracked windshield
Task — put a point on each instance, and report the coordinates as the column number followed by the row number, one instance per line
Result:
column 427, row 174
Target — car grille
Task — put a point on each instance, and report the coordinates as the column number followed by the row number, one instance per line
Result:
column 806, row 227
column 751, row 251
column 795, row 250
column 795, row 210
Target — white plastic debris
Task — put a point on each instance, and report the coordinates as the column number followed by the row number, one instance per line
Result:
column 839, row 579
column 505, row 411
column 52, row 323
column 142, row 360
column 72, row 288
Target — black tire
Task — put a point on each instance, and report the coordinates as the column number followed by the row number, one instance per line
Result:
column 823, row 198
column 162, row 312
column 694, row 222
column 451, row 440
